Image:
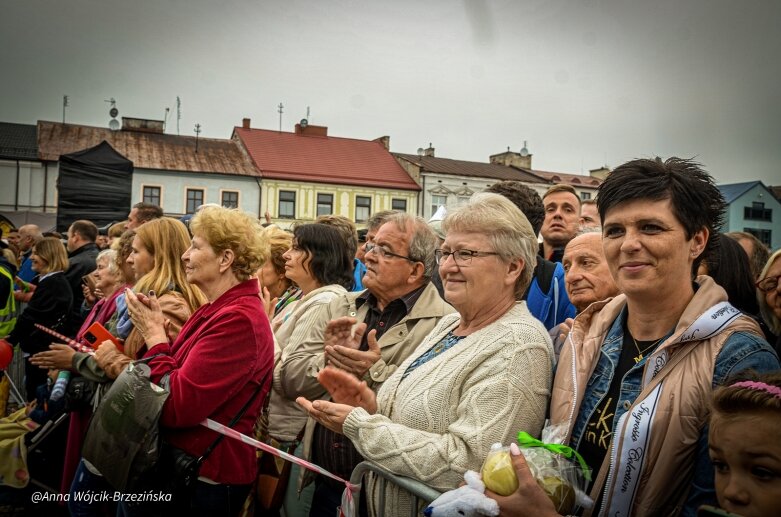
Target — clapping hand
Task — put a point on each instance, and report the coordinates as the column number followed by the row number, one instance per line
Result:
column 147, row 316
column 347, row 393
column 342, row 343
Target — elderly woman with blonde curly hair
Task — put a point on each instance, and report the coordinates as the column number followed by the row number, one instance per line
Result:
column 478, row 378
column 219, row 359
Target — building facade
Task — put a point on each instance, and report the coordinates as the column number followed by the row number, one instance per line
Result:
column 308, row 173
column 752, row 208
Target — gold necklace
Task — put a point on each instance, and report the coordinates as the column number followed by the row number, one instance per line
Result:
column 646, row 349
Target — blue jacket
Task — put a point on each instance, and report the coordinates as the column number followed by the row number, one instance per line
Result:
column 26, row 272
column 358, row 271
column 551, row 307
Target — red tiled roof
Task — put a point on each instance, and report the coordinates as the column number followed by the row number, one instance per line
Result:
column 147, row 150
column 323, row 159
column 471, row 169
column 577, row 180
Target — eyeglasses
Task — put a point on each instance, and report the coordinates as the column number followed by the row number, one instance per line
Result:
column 768, row 284
column 382, row 252
column 461, row 257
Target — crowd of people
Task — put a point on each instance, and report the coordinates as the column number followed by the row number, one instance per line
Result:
column 629, row 322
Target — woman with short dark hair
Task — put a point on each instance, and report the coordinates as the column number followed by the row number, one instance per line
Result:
column 321, row 266
column 634, row 380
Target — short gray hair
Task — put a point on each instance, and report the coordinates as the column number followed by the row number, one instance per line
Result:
column 423, row 241
column 111, row 256
column 587, row 230
column 380, row 218
column 507, row 228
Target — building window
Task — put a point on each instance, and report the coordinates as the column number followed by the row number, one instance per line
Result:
column 194, row 200
column 765, row 236
column 230, row 199
column 287, row 204
column 152, row 195
column 399, row 204
column 325, row 204
column 585, row 195
column 758, row 212
column 363, row 208
column 436, row 202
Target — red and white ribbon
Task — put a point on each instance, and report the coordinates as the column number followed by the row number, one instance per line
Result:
column 70, row 342
column 232, row 433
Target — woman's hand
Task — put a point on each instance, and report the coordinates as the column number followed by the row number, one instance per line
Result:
column 331, row 415
column 529, row 498
column 269, row 303
column 105, row 352
column 89, row 297
column 59, row 356
column 346, row 389
column 147, row 316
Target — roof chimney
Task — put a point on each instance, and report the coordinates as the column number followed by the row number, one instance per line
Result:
column 306, row 129
column 429, row 151
column 245, row 123
column 522, row 160
column 385, row 141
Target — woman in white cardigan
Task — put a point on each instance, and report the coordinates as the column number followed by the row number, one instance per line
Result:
column 478, row 378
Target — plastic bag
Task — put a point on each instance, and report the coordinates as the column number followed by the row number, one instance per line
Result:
column 558, row 469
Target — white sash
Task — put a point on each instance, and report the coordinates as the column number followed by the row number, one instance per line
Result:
column 636, row 433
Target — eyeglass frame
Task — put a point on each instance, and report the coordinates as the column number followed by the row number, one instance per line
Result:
column 382, row 252
column 765, row 280
column 441, row 256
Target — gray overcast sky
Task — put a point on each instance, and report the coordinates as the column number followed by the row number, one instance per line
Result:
column 586, row 82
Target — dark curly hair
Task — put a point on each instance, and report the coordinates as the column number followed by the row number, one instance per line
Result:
column 696, row 201
column 328, row 259
column 525, row 198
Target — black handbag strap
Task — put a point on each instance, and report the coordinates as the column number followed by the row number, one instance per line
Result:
column 235, row 419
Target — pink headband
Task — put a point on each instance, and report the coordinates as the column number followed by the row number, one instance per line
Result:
column 759, row 386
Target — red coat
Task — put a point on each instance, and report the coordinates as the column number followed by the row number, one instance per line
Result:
column 221, row 354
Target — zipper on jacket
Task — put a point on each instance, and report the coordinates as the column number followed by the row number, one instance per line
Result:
column 573, row 371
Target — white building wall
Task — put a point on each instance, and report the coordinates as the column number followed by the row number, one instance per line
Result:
column 36, row 187
column 173, row 187
column 456, row 188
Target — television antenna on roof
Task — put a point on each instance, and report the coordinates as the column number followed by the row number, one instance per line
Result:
column 524, row 150
column 279, row 110
column 113, row 124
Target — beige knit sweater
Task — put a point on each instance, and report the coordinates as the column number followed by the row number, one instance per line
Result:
column 442, row 419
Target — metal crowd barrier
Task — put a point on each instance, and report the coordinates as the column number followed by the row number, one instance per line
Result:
column 420, row 492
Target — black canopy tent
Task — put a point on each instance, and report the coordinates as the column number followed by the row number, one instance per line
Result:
column 93, row 184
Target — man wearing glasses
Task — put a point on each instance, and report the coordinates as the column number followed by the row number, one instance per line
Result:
column 368, row 334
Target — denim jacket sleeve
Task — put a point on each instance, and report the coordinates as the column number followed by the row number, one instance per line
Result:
column 742, row 351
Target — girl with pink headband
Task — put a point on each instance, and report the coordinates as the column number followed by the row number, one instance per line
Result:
column 745, row 445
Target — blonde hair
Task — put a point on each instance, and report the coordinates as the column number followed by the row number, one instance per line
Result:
column 279, row 241
column 51, row 251
column 166, row 239
column 508, row 230
column 773, row 322
column 232, row 229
